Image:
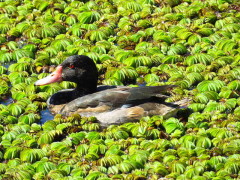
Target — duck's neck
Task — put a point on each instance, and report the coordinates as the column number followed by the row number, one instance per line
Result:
column 84, row 90
column 66, row 96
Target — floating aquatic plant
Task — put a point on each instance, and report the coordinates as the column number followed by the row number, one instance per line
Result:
column 193, row 44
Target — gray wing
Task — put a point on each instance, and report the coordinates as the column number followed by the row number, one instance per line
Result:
column 115, row 97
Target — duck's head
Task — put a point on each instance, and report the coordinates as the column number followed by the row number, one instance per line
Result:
column 79, row 69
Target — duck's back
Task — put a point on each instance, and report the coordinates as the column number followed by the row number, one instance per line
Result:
column 117, row 105
column 115, row 98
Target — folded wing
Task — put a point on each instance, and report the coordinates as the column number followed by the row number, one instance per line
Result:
column 115, row 97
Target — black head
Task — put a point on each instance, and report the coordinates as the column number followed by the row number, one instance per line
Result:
column 79, row 69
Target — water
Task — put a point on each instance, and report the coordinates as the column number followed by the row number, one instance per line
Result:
column 6, row 65
column 7, row 101
column 46, row 116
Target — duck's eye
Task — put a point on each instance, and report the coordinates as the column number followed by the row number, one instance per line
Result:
column 71, row 66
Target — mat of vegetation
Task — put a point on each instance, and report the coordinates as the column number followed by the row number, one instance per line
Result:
column 191, row 43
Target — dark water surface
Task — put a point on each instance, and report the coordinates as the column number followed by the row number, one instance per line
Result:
column 46, row 116
column 7, row 101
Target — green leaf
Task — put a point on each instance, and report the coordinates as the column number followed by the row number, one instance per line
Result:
column 205, row 31
column 194, row 77
column 88, row 17
column 125, row 74
column 193, row 39
column 234, row 85
column 205, row 97
column 61, row 44
column 78, row 173
column 197, row 107
column 42, row 5
column 76, row 138
column 30, row 47
column 178, row 48
column 113, row 170
column 32, row 155
column 97, row 35
column 12, row 152
column 12, row 45
column 29, row 118
column 172, row 124
column 225, row 93
column 137, row 36
column 131, row 5
column 82, row 149
column 151, row 78
column 15, row 109
column 209, row 174
column 112, row 81
column 138, row 61
column 160, row 36
column 171, row 59
column 47, row 137
column 199, row 58
column 71, row 20
column 110, row 160
column 231, row 103
column 60, row 147
column 204, row 142
column 95, row 175
column 3, row 70
column 120, row 55
column 44, row 167
column 19, row 53
column 119, row 134
column 65, row 167
column 178, row 167
column 231, row 28
column 125, row 167
column 183, row 33
column 2, row 39
column 160, row 168
column 18, row 95
column 169, row 158
column 17, row 173
column 184, row 84
column 214, row 106
column 5, row 56
column 226, row 45
column 210, row 85
column 237, row 111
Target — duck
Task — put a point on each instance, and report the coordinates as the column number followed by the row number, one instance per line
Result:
column 111, row 105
